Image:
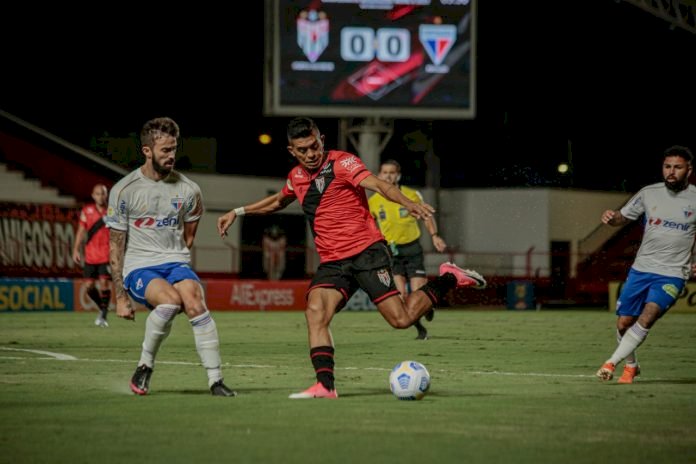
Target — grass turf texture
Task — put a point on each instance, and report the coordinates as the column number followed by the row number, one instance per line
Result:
column 506, row 387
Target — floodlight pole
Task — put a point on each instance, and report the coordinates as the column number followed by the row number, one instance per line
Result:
column 369, row 136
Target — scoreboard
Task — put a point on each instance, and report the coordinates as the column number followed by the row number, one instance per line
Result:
column 359, row 58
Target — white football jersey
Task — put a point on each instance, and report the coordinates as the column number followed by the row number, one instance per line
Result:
column 670, row 226
column 153, row 214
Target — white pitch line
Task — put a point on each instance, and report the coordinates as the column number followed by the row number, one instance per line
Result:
column 66, row 357
column 60, row 356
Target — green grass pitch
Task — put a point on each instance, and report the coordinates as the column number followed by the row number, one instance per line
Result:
column 507, row 387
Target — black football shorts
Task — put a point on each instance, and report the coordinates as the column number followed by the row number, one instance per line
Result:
column 369, row 270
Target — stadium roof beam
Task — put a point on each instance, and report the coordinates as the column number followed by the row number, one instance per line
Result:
column 678, row 13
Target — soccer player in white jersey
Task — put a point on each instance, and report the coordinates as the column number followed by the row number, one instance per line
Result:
column 153, row 215
column 663, row 262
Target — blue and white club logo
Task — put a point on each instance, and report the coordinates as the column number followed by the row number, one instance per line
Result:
column 437, row 40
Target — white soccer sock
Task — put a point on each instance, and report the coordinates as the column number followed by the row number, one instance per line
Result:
column 157, row 328
column 208, row 345
column 631, row 359
column 632, row 339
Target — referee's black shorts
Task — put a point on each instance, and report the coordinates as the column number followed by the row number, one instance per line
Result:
column 408, row 260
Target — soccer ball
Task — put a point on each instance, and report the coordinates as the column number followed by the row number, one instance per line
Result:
column 409, row 380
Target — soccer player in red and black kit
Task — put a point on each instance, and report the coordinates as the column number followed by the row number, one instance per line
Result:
column 96, row 265
column 330, row 185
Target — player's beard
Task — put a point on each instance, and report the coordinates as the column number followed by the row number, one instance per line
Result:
column 161, row 169
column 676, row 185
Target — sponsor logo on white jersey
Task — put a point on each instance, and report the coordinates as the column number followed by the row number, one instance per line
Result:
column 653, row 221
column 156, row 223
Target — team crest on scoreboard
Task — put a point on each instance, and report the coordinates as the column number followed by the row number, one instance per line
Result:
column 437, row 41
column 319, row 182
column 384, row 277
column 312, row 33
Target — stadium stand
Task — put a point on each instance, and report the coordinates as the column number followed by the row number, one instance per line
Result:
column 15, row 187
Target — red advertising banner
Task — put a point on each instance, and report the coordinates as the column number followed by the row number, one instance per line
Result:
column 256, row 295
column 36, row 240
column 50, row 294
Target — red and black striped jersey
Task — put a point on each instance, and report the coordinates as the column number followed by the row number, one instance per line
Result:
column 97, row 248
column 335, row 205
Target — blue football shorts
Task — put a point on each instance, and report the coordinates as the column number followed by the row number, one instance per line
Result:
column 137, row 280
column 644, row 287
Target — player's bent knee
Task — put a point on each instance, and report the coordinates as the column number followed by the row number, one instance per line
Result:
column 170, row 297
column 194, row 310
column 398, row 322
column 317, row 315
column 402, row 324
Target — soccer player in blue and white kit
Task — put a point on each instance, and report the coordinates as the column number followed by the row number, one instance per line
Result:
column 663, row 262
column 153, row 215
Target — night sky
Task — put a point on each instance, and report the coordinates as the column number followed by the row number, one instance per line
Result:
column 610, row 78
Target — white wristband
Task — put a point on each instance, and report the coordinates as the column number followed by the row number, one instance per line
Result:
column 239, row 211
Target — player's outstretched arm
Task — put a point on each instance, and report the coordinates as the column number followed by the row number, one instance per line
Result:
column 268, row 205
column 117, row 250
column 392, row 192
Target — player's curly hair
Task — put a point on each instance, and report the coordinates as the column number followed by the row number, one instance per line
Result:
column 156, row 128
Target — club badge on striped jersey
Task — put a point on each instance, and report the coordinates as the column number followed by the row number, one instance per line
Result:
column 319, row 182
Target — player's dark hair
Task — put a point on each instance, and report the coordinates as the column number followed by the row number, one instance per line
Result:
column 679, row 150
column 300, row 128
column 155, row 128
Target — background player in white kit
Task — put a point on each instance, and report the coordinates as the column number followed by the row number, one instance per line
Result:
column 663, row 262
column 153, row 215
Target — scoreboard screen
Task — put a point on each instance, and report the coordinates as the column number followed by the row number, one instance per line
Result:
column 360, row 58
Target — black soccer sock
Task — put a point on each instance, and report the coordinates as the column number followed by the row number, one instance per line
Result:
column 93, row 293
column 323, row 362
column 437, row 288
column 104, row 296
